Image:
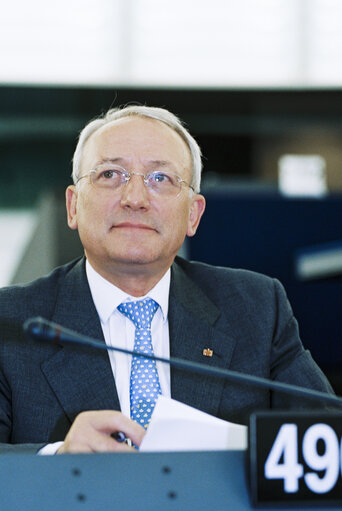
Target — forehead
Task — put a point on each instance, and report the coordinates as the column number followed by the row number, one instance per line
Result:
column 136, row 138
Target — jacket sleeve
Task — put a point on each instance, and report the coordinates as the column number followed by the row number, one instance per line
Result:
column 6, row 424
column 290, row 362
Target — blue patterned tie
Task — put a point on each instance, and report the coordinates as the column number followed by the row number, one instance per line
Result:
column 144, row 383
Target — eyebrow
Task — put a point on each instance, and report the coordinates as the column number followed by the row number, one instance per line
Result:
column 120, row 161
column 109, row 160
column 162, row 163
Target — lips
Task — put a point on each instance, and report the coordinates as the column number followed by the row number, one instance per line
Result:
column 132, row 225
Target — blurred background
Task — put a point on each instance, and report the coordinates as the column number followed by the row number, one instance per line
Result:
column 258, row 83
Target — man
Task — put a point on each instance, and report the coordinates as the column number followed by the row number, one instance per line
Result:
column 135, row 197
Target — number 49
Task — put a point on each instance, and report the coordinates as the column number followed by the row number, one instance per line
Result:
column 282, row 461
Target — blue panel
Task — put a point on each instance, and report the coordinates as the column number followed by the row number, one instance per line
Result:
column 125, row 482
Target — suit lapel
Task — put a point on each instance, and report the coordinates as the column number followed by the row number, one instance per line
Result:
column 192, row 324
column 81, row 378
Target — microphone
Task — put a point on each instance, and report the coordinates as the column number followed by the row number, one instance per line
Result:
column 41, row 329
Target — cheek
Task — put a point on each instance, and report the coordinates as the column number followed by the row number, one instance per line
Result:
column 178, row 219
column 92, row 210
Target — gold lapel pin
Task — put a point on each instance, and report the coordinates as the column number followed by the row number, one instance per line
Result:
column 207, row 352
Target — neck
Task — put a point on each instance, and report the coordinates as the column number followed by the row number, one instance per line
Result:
column 133, row 281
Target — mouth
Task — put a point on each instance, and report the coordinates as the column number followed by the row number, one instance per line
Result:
column 133, row 226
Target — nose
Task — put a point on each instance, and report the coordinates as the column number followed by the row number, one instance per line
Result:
column 135, row 194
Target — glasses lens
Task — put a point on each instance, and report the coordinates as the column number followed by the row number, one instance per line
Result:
column 109, row 177
column 163, row 183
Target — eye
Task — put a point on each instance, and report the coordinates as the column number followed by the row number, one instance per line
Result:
column 108, row 174
column 109, row 177
column 161, row 177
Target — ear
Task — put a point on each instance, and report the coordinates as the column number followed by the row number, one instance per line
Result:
column 196, row 211
column 71, row 203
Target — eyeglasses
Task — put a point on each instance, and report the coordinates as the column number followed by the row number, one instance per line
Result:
column 114, row 177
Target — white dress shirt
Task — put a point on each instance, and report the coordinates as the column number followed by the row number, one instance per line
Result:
column 119, row 331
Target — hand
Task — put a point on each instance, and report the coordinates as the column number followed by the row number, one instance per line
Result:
column 91, row 432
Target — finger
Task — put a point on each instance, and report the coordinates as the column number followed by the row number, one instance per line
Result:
column 102, row 442
column 91, row 432
column 133, row 431
column 110, row 421
column 74, row 448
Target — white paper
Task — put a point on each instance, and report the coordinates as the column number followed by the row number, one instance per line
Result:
column 175, row 426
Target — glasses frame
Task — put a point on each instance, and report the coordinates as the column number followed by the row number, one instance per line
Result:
column 127, row 175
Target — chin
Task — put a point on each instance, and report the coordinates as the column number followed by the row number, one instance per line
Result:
column 134, row 258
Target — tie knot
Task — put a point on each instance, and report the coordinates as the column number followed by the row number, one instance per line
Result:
column 140, row 313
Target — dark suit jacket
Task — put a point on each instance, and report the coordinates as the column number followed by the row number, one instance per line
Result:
column 242, row 316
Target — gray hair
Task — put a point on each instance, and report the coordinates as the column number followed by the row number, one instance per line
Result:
column 160, row 114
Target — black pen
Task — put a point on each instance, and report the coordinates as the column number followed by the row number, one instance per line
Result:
column 120, row 436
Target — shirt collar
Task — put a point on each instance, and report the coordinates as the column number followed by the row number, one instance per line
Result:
column 107, row 296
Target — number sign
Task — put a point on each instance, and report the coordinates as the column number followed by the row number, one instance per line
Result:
column 296, row 457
